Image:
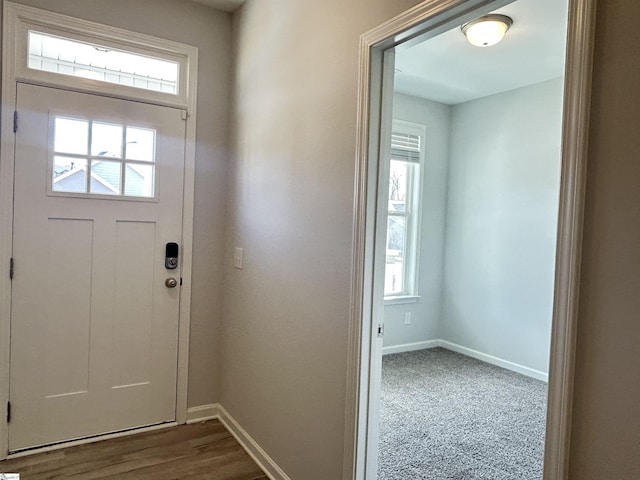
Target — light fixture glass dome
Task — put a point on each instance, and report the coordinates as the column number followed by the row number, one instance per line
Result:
column 487, row 30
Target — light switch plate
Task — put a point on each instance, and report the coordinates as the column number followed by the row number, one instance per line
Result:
column 238, row 258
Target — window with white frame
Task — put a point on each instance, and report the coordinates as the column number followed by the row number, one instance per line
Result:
column 64, row 52
column 407, row 154
column 67, row 56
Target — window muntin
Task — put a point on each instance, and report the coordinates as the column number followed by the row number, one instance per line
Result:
column 407, row 150
column 101, row 158
column 71, row 57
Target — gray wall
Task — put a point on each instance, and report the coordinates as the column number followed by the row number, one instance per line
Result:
column 286, row 313
column 303, row 428
column 426, row 311
column 293, row 412
column 296, row 413
column 605, row 441
column 504, row 173
column 210, row 31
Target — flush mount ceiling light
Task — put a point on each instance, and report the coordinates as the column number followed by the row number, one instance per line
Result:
column 486, row 30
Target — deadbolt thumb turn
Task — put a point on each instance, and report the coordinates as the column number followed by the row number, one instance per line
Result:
column 170, row 282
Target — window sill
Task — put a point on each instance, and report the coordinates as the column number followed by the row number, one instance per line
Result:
column 400, row 299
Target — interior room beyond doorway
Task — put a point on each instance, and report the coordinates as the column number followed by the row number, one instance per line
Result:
column 477, row 246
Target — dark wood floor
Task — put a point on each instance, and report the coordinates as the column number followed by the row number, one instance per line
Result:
column 201, row 451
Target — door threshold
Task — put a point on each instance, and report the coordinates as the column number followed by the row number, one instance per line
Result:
column 92, row 439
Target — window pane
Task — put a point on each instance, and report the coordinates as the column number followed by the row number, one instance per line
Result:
column 108, row 168
column 396, row 255
column 105, row 177
column 398, row 186
column 140, row 144
column 69, row 175
column 71, row 136
column 106, row 140
column 138, row 180
column 71, row 57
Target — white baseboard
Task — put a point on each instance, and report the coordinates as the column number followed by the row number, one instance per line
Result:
column 469, row 352
column 203, row 412
column 529, row 372
column 264, row 461
column 410, row 347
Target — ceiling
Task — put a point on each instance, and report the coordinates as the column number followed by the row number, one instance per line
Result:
column 224, row 5
column 448, row 69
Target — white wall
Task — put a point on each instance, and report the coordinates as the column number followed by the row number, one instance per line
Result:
column 491, row 183
column 426, row 311
column 210, row 31
column 503, row 188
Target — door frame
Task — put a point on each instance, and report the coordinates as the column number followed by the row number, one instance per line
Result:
column 433, row 17
column 17, row 19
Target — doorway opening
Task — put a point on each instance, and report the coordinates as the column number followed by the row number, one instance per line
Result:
column 469, row 264
column 469, row 234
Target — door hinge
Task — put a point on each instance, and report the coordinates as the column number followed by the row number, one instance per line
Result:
column 11, row 264
column 8, row 412
column 380, row 330
column 15, row 121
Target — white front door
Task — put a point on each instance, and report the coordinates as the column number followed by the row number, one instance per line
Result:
column 94, row 327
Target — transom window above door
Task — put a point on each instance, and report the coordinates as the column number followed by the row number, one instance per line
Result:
column 100, row 158
column 71, row 57
column 59, row 51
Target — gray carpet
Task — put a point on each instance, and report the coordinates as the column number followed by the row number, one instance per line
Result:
column 447, row 416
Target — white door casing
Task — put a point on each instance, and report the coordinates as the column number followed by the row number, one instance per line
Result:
column 380, row 253
column 94, row 329
column 432, row 17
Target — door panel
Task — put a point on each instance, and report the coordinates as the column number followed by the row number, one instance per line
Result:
column 66, row 370
column 133, row 303
column 94, row 329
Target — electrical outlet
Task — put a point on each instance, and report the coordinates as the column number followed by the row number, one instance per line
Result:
column 237, row 258
column 407, row 318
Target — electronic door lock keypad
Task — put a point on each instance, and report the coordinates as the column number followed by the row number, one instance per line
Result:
column 171, row 256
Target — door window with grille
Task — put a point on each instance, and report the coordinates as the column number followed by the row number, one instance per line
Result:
column 95, row 157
